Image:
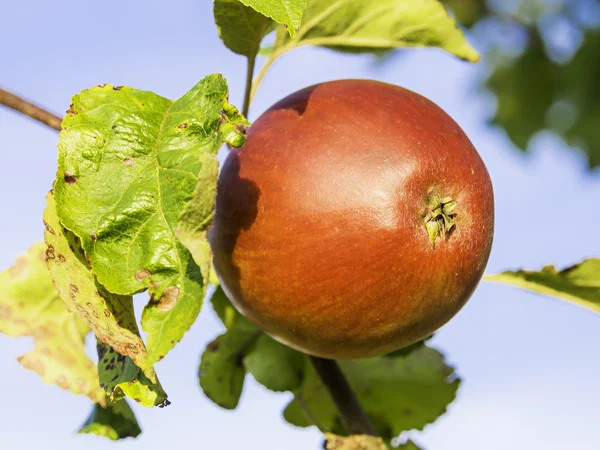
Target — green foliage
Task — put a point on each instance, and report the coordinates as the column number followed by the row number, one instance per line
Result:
column 120, row 377
column 153, row 151
column 240, row 27
column 540, row 90
column 242, row 349
column 31, row 306
column 110, row 316
column 114, row 421
column 275, row 366
column 398, row 393
column 286, row 12
column 363, row 26
column 579, row 284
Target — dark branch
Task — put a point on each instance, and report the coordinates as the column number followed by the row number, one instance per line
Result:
column 354, row 416
column 21, row 105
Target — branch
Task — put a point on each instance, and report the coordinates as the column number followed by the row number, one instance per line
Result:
column 354, row 416
column 21, row 105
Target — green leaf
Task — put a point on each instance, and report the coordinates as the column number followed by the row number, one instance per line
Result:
column 468, row 12
column 114, row 421
column 230, row 317
column 354, row 442
column 221, row 371
column 120, row 377
column 196, row 217
column 110, row 316
column 274, row 365
column 524, row 91
column 398, row 394
column 30, row 306
column 240, row 27
column 129, row 163
column 286, row 12
column 366, row 26
column 244, row 348
column 534, row 93
column 579, row 284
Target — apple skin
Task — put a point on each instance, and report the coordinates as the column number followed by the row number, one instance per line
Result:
column 319, row 235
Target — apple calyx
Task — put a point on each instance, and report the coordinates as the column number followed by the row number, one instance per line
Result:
column 439, row 218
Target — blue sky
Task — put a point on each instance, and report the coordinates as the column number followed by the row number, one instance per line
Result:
column 529, row 364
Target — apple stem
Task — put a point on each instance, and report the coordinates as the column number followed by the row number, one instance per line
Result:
column 248, row 91
column 353, row 415
column 21, row 105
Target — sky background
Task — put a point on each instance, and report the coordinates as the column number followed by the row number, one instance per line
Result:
column 529, row 364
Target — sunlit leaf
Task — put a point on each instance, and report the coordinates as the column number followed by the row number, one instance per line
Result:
column 30, row 306
column 129, row 165
column 579, row 284
column 397, row 393
column 240, row 27
column 110, row 316
column 114, row 421
column 364, row 26
column 286, row 12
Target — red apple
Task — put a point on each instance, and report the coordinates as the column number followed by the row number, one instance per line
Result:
column 357, row 219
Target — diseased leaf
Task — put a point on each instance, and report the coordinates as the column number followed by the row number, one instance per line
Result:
column 286, row 12
column 114, row 421
column 364, row 26
column 398, row 394
column 30, row 306
column 129, row 165
column 110, row 316
column 354, row 442
column 579, row 284
column 240, row 27
column 274, row 365
column 120, row 377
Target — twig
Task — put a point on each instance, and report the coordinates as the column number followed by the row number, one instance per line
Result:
column 343, row 396
column 21, row 105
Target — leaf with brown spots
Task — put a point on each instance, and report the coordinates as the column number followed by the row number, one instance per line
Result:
column 30, row 306
column 114, row 421
column 130, row 162
column 398, row 393
column 120, row 377
column 110, row 316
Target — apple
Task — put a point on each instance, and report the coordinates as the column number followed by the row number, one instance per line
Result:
column 357, row 219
